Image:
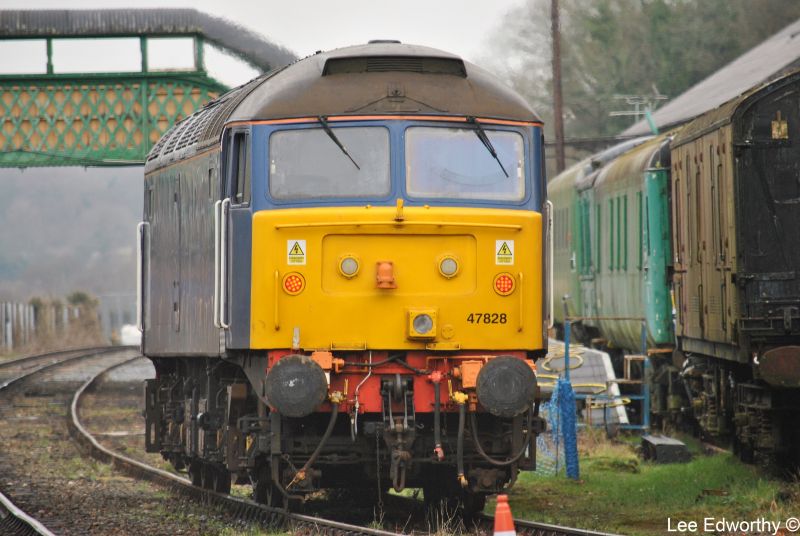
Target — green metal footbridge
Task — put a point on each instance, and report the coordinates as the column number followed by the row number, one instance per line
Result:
column 108, row 119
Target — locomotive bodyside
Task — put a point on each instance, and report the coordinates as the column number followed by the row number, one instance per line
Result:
column 358, row 299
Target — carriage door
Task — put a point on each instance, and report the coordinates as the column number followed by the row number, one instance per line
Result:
column 591, row 233
column 235, row 239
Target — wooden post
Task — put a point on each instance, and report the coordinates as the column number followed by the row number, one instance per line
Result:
column 558, row 113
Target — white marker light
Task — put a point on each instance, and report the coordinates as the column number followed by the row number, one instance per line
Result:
column 448, row 267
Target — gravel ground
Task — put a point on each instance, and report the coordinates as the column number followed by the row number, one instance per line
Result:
column 45, row 474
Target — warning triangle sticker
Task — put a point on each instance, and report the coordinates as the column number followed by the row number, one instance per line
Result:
column 504, row 250
column 296, row 249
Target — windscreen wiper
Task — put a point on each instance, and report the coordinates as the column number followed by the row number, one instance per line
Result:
column 331, row 135
column 486, row 142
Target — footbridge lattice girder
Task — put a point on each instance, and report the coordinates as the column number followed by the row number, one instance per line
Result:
column 100, row 119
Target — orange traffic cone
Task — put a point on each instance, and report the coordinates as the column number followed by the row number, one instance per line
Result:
column 503, row 522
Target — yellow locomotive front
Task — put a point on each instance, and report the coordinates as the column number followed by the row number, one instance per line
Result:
column 404, row 273
column 379, row 297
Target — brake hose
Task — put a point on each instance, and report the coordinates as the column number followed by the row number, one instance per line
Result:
column 462, row 417
column 301, row 474
column 437, row 425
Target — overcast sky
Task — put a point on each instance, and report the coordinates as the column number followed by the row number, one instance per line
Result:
column 305, row 26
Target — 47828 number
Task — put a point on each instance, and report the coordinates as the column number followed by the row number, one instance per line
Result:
column 487, row 318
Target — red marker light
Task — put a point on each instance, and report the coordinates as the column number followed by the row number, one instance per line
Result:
column 504, row 284
column 293, row 283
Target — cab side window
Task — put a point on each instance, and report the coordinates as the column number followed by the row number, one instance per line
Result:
column 239, row 168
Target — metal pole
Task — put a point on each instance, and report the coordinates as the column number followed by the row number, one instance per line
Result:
column 645, row 379
column 49, row 56
column 567, row 329
column 558, row 113
column 143, row 51
column 199, row 62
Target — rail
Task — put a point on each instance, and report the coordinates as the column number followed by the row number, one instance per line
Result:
column 241, row 508
column 15, row 521
column 534, row 528
column 12, row 519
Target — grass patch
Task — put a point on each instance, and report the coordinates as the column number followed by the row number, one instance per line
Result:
column 618, row 492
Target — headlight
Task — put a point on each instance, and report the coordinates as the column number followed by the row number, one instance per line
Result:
column 348, row 266
column 448, row 267
column 423, row 324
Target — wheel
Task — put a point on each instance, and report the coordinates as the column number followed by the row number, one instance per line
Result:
column 265, row 491
column 446, row 500
column 196, row 473
column 177, row 462
column 472, row 505
column 221, row 479
column 206, row 475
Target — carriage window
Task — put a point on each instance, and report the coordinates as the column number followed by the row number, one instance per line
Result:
column 454, row 163
column 308, row 164
column 611, row 235
column 698, row 211
column 586, row 238
column 715, row 231
column 598, row 265
column 625, row 232
column 640, row 227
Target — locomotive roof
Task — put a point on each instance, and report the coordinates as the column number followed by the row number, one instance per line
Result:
column 379, row 78
column 583, row 174
column 767, row 61
column 383, row 78
column 725, row 113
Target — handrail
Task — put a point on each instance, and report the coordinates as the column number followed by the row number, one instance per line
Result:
column 276, row 288
column 550, row 289
column 217, row 205
column 223, row 280
column 521, row 278
column 140, row 271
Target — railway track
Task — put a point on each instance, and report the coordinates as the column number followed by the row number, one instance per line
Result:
column 16, row 370
column 254, row 512
column 533, row 528
column 73, row 494
column 244, row 509
column 14, row 521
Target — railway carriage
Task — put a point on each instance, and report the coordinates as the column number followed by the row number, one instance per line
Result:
column 612, row 262
column 737, row 267
column 710, row 214
column 343, row 280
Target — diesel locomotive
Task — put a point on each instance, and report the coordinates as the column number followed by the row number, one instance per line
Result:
column 343, row 280
column 706, row 214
